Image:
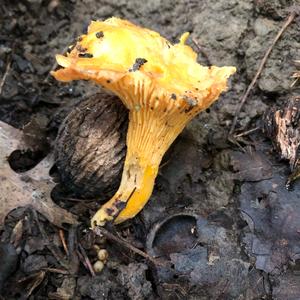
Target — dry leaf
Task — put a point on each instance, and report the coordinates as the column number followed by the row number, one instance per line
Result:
column 32, row 282
column 250, row 166
column 66, row 291
column 272, row 213
column 31, row 188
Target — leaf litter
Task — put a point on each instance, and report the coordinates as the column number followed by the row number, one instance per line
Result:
column 28, row 189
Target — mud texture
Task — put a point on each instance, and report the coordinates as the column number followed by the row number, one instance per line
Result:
column 241, row 236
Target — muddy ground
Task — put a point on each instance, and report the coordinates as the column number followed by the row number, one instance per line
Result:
column 220, row 212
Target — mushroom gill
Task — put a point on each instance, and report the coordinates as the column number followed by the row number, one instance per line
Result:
column 162, row 86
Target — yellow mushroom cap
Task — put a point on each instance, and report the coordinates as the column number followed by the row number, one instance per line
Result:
column 122, row 56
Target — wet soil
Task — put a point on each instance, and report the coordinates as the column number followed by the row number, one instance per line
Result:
column 220, row 213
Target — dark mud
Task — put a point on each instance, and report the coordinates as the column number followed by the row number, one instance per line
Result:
column 242, row 230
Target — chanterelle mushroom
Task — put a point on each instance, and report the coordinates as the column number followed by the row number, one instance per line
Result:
column 163, row 88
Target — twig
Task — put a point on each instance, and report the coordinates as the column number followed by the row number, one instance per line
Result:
column 243, row 99
column 81, row 258
column 200, row 49
column 86, row 261
column 63, row 240
column 103, row 232
column 73, row 246
column 4, row 76
column 295, row 81
column 57, row 271
column 34, row 281
column 246, row 132
column 76, row 199
column 296, row 75
column 164, row 164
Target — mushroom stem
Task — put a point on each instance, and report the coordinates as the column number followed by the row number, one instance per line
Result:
column 148, row 138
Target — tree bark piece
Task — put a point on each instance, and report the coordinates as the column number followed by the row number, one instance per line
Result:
column 282, row 126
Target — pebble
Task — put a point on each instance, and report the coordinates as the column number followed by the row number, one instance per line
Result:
column 102, row 254
column 98, row 266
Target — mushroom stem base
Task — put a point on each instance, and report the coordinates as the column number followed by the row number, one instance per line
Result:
column 149, row 137
column 131, row 197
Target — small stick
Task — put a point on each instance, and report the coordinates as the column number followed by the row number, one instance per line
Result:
column 200, row 49
column 37, row 280
column 295, row 81
column 4, row 76
column 288, row 21
column 57, row 271
column 103, row 232
column 63, row 241
column 296, row 75
column 76, row 199
column 81, row 258
column 73, row 250
column 86, row 260
column 246, row 132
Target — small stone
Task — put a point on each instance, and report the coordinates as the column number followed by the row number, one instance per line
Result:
column 98, row 266
column 263, row 26
column 102, row 254
column 53, row 4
